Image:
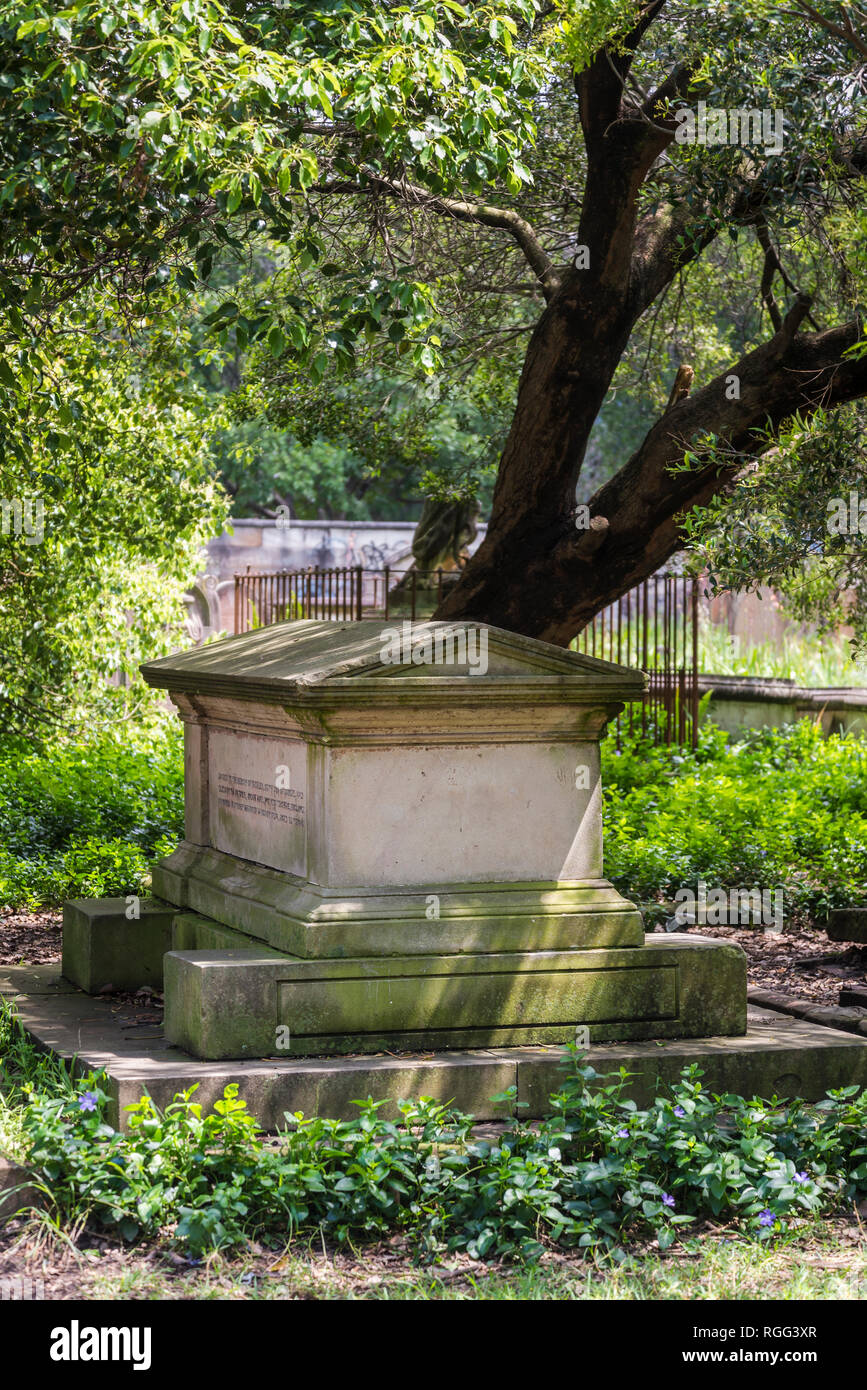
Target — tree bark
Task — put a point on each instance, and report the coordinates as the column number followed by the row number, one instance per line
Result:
column 569, row 575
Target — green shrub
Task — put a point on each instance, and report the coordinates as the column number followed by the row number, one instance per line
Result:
column 782, row 808
column 87, row 819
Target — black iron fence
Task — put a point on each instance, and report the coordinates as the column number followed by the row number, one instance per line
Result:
column 338, row 595
column 654, row 626
column 265, row 597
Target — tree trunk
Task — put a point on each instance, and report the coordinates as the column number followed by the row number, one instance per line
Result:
column 537, row 574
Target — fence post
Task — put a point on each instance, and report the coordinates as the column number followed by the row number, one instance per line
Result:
column 359, row 578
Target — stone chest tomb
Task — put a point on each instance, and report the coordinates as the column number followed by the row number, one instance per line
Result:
column 394, row 842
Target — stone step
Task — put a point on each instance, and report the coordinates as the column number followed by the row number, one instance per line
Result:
column 778, row 1055
column 848, row 924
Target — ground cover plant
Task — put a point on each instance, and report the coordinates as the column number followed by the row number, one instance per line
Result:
column 87, row 818
column 780, row 809
column 594, row 1175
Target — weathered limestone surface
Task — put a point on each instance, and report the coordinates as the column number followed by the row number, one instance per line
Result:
column 223, row 1004
column 305, row 919
column 396, row 844
column 777, row 1056
column 852, row 1019
column 338, row 805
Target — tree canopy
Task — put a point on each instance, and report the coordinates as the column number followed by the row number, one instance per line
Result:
column 572, row 199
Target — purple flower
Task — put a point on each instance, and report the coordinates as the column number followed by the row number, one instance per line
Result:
column 802, row 1177
column 679, row 1111
column 667, row 1200
column 88, row 1101
column 766, row 1218
column 623, row 1134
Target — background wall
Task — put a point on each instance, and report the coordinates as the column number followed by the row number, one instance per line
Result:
column 266, row 545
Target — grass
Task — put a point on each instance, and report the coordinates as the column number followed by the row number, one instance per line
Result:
column 816, row 1259
column 808, row 661
column 826, row 1261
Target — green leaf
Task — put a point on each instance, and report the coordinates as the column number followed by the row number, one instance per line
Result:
column 276, row 341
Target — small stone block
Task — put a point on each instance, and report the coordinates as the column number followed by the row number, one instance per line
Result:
column 104, row 947
column 848, row 924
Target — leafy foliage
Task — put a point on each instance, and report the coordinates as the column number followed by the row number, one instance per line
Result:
column 104, row 453
column 144, row 145
column 369, row 447
column 777, row 525
column 150, row 128
column 780, row 809
column 595, row 1174
column 87, row 819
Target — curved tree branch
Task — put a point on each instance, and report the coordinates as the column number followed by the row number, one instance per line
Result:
column 483, row 214
column 845, row 30
column 791, row 373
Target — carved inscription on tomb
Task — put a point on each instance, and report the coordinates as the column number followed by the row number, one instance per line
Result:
column 258, row 798
column 253, row 798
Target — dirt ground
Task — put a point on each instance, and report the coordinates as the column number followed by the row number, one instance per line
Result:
column 29, row 938
column 791, row 961
column 714, row 1262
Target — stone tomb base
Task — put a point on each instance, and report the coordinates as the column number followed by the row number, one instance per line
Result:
column 228, row 995
column 778, row 1055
